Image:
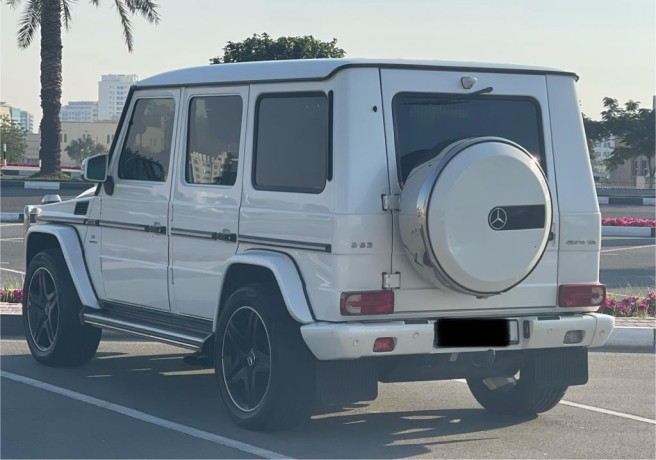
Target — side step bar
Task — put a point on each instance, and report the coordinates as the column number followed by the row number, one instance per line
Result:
column 193, row 338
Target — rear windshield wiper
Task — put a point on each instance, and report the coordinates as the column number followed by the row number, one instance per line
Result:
column 451, row 99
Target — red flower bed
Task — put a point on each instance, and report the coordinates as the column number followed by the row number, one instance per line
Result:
column 628, row 222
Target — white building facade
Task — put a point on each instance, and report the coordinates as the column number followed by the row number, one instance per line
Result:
column 81, row 111
column 112, row 92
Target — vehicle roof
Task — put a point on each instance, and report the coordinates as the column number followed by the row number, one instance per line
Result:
column 318, row 69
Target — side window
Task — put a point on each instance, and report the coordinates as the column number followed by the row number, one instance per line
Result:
column 292, row 142
column 147, row 148
column 213, row 140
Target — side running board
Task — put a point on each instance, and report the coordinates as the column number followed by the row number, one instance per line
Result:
column 183, row 331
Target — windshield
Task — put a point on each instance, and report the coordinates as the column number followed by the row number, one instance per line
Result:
column 425, row 124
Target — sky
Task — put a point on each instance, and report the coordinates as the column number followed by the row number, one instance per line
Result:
column 610, row 44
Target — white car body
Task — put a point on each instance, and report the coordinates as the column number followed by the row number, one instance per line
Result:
column 169, row 246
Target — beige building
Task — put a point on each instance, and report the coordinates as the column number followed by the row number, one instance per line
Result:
column 101, row 132
column 33, row 142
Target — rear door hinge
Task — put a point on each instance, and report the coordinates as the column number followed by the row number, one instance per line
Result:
column 391, row 202
column 391, row 280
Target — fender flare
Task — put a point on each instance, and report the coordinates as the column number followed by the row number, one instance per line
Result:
column 287, row 275
column 71, row 248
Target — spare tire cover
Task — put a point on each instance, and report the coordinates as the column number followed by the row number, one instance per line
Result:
column 476, row 219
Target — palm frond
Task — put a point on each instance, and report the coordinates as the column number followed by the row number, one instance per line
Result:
column 29, row 22
column 66, row 13
column 95, row 2
column 125, row 22
column 13, row 3
column 146, row 8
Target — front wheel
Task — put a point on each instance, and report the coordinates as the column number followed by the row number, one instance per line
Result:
column 264, row 370
column 51, row 314
column 515, row 395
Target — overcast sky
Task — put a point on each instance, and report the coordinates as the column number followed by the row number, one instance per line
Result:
column 610, row 44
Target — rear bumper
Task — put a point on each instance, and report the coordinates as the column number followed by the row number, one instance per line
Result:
column 334, row 341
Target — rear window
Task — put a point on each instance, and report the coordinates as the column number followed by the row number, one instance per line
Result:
column 425, row 124
column 292, row 142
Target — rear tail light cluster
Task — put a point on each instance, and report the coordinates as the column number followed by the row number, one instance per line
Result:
column 581, row 295
column 366, row 303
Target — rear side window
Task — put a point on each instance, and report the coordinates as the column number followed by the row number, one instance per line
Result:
column 146, row 152
column 425, row 124
column 292, row 142
column 213, row 142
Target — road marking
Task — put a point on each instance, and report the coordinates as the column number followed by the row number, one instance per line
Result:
column 12, row 271
column 594, row 409
column 11, row 225
column 628, row 249
column 215, row 438
column 609, row 412
column 20, row 238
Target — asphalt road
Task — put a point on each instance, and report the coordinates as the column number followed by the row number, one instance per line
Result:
column 146, row 403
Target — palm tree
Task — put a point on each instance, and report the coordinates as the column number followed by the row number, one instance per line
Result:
column 50, row 15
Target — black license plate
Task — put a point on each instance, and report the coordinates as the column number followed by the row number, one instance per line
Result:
column 456, row 333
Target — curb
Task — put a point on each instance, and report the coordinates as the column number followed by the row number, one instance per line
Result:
column 11, row 217
column 625, row 339
column 627, row 200
column 46, row 185
column 631, row 338
column 614, row 230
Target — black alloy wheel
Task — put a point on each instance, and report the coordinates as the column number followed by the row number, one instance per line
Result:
column 42, row 309
column 264, row 370
column 246, row 359
column 54, row 330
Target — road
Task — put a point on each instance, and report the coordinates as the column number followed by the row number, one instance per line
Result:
column 148, row 403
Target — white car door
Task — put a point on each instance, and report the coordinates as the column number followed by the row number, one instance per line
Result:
column 206, row 196
column 135, row 203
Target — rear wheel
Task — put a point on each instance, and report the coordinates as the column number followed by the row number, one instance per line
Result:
column 264, row 370
column 515, row 395
column 51, row 314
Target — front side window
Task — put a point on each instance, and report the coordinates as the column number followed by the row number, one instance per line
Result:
column 292, row 142
column 425, row 124
column 147, row 148
column 213, row 140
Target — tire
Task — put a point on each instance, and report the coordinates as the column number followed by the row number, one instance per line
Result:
column 515, row 396
column 51, row 314
column 264, row 370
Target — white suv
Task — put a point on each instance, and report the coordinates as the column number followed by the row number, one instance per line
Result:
column 312, row 228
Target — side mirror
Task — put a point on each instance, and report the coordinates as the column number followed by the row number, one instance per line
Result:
column 94, row 169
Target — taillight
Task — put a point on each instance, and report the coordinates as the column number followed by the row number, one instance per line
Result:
column 581, row 295
column 367, row 303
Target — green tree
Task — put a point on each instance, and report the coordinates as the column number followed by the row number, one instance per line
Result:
column 264, row 48
column 13, row 137
column 50, row 15
column 634, row 128
column 594, row 132
column 84, row 147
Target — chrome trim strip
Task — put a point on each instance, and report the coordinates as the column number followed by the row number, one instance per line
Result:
column 285, row 243
column 123, row 225
column 174, row 338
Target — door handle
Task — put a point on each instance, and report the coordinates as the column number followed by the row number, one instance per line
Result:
column 225, row 236
column 155, row 228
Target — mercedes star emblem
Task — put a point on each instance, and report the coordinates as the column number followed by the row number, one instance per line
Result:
column 497, row 219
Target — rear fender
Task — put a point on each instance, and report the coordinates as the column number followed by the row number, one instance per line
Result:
column 287, row 276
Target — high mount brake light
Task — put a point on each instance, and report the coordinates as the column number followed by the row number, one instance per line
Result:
column 367, row 303
column 581, row 295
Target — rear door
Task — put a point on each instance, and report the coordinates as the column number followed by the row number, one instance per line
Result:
column 424, row 109
column 207, row 195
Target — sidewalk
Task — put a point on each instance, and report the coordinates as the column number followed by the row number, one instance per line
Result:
column 630, row 334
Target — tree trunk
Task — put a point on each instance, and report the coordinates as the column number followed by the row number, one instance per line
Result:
column 51, row 86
